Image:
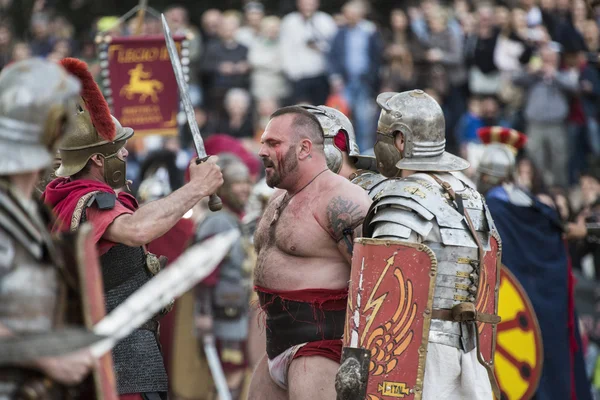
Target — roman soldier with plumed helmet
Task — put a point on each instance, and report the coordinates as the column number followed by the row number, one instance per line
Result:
column 534, row 243
column 498, row 161
column 90, row 188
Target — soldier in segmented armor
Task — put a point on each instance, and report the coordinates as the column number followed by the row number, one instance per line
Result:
column 92, row 187
column 422, row 202
column 341, row 150
column 498, row 165
column 33, row 113
column 223, row 299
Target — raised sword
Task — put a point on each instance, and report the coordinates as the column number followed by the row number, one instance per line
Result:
column 214, row 202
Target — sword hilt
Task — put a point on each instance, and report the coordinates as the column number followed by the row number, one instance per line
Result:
column 214, row 201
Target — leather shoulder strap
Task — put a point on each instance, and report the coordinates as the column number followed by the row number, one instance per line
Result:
column 84, row 202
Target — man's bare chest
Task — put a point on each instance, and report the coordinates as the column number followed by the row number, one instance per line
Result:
column 293, row 229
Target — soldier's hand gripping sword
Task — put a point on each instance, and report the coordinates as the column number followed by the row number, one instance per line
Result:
column 214, row 203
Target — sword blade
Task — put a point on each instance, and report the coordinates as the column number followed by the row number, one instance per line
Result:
column 183, row 92
column 194, row 265
column 216, row 370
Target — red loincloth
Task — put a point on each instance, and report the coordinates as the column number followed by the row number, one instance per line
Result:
column 171, row 245
column 319, row 299
column 62, row 195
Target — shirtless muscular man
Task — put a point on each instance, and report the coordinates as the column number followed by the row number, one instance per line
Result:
column 304, row 243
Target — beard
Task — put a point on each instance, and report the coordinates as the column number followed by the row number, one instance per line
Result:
column 288, row 164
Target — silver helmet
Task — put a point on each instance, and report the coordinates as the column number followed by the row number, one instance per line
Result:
column 36, row 99
column 333, row 121
column 421, row 120
column 155, row 186
column 497, row 165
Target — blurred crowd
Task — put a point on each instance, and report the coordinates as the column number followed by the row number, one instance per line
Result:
column 532, row 65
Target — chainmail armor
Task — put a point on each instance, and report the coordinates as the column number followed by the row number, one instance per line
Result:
column 139, row 366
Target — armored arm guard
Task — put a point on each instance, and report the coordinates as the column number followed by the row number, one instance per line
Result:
column 367, row 180
column 416, row 210
column 400, row 211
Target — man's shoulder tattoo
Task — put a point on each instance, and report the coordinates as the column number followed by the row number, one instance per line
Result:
column 343, row 215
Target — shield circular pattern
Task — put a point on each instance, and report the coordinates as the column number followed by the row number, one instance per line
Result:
column 519, row 356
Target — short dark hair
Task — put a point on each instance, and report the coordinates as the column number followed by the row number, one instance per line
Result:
column 305, row 124
column 84, row 171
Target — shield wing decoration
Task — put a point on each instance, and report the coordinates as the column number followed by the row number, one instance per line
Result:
column 487, row 299
column 389, row 313
column 518, row 359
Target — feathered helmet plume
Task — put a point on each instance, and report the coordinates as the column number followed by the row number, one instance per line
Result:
column 93, row 100
column 512, row 138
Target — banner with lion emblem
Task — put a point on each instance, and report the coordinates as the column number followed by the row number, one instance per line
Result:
column 139, row 84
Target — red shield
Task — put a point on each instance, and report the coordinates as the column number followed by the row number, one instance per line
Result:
column 389, row 313
column 86, row 306
column 487, row 299
column 518, row 359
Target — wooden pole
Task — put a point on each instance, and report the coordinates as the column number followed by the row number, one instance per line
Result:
column 140, row 17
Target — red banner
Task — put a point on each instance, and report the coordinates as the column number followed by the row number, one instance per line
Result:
column 139, row 83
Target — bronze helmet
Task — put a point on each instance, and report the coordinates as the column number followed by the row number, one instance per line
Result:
column 93, row 130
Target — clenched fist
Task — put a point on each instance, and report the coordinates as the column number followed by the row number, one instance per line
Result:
column 206, row 176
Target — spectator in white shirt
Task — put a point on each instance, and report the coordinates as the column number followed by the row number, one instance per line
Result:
column 266, row 78
column 305, row 39
column 254, row 12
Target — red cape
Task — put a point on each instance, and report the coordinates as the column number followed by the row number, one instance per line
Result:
column 62, row 195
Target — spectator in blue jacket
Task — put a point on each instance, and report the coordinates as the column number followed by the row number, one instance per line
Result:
column 354, row 63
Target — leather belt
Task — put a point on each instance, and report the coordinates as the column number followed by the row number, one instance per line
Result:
column 464, row 312
column 290, row 323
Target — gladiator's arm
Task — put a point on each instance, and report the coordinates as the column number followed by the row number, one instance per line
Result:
column 155, row 218
column 344, row 216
